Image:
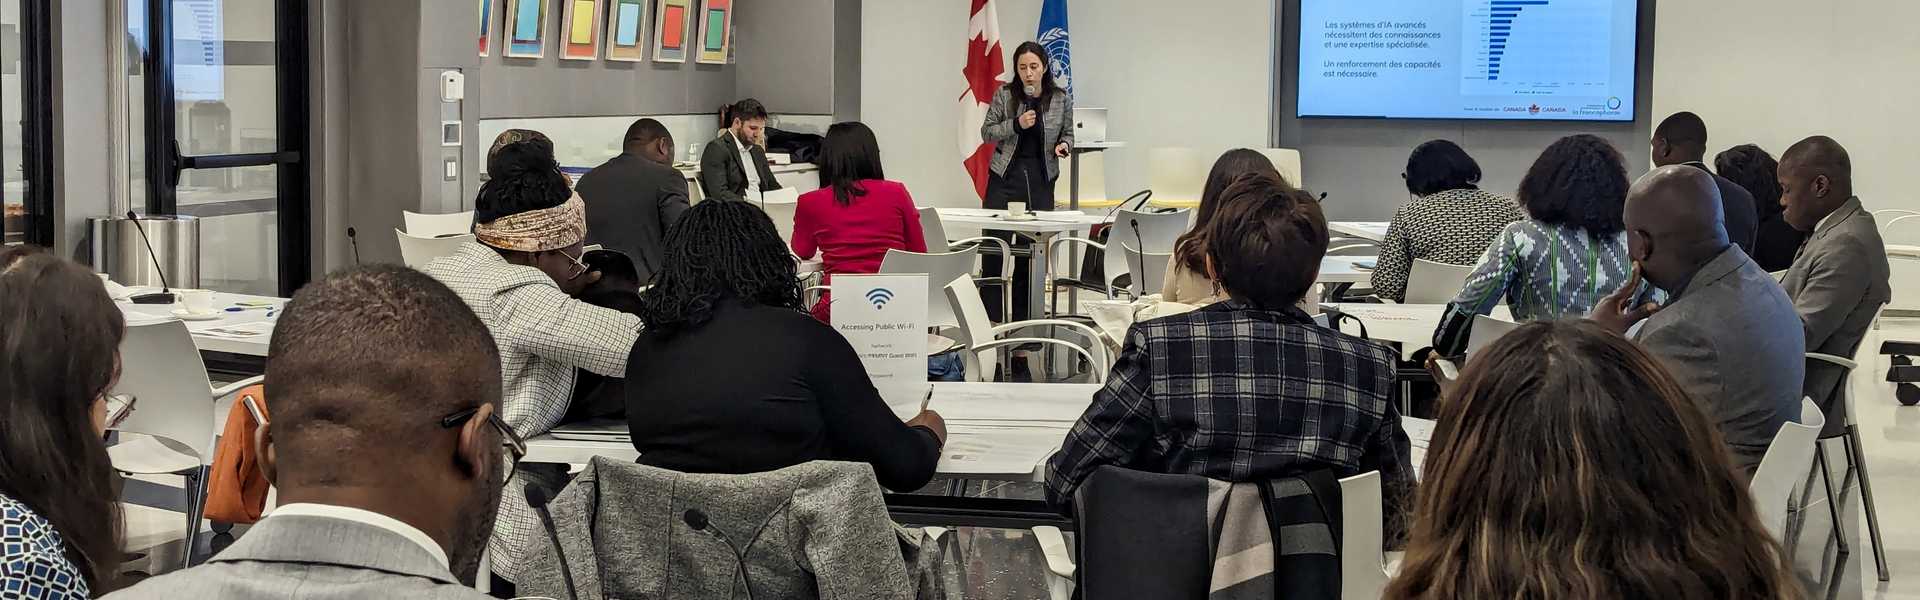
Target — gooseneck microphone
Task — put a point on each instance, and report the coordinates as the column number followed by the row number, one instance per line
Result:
column 699, row 522
column 165, row 295
column 354, row 240
column 539, row 498
column 1140, row 270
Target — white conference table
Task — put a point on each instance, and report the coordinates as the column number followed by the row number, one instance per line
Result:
column 1372, row 231
column 1346, row 269
column 995, row 431
column 991, row 430
column 246, row 332
column 1041, row 229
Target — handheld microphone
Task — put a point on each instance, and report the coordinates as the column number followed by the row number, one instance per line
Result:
column 165, row 295
column 355, row 242
column 698, row 521
column 538, row 497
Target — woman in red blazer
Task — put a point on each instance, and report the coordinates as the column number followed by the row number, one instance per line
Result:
column 859, row 215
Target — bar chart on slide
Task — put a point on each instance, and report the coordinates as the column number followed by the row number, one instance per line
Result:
column 1535, row 46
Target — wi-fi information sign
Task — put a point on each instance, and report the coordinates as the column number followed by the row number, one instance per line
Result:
column 885, row 318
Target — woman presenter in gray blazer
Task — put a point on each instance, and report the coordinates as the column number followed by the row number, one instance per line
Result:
column 1030, row 123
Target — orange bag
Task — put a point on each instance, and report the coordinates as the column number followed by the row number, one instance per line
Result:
column 236, row 488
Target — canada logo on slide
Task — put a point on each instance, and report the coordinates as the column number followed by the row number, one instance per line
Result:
column 1533, row 110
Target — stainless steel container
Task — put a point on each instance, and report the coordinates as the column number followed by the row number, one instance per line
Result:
column 120, row 252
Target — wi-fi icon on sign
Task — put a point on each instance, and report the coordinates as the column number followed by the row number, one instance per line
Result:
column 879, row 297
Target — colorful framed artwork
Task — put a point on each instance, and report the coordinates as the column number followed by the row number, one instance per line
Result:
column 526, row 28
column 486, row 26
column 671, row 41
column 715, row 21
column 626, row 30
column 581, row 22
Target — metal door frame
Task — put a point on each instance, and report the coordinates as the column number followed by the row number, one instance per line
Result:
column 164, row 160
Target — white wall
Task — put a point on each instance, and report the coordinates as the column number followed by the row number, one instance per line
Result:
column 1171, row 78
column 1780, row 70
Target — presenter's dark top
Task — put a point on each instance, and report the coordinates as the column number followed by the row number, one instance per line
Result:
column 758, row 388
column 1030, row 145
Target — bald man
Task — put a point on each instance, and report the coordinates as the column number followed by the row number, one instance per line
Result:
column 1681, row 139
column 1839, row 281
column 384, row 442
column 1728, row 333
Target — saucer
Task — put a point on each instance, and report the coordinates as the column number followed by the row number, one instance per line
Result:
column 185, row 315
column 1020, row 218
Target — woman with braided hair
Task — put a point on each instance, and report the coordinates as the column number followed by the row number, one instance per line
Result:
column 733, row 376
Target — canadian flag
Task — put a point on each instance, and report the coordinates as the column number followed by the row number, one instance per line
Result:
column 986, row 71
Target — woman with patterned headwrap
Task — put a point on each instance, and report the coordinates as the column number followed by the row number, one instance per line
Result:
column 520, row 275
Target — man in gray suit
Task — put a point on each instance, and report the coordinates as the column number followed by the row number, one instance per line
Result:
column 1727, row 333
column 384, row 442
column 1839, row 281
column 734, row 165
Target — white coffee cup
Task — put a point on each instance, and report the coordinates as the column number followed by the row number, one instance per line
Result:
column 199, row 302
column 1016, row 209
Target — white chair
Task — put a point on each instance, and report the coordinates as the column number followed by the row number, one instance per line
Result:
column 1485, row 331
column 981, row 336
column 935, row 232
column 1060, row 567
column 1787, row 461
column 1150, row 232
column 782, row 213
column 1176, row 174
column 417, row 251
column 1112, row 265
column 1149, row 270
column 425, row 225
column 1856, row 463
column 1287, row 162
column 939, row 268
column 1363, row 561
column 171, row 429
column 1435, row 283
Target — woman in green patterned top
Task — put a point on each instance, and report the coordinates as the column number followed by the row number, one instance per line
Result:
column 1569, row 252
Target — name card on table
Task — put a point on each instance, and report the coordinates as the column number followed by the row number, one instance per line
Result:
column 885, row 318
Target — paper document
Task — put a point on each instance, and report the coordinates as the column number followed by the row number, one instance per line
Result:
column 1013, row 404
column 1419, row 431
column 243, row 331
column 975, row 451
